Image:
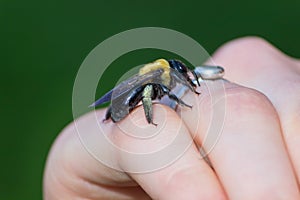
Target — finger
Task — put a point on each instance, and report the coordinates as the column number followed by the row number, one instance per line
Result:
column 249, row 156
column 73, row 171
column 255, row 63
column 176, row 170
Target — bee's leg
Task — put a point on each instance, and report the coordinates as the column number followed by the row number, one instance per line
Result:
column 173, row 96
column 179, row 101
column 196, row 92
column 135, row 97
column 108, row 114
column 148, row 94
column 193, row 89
column 197, row 78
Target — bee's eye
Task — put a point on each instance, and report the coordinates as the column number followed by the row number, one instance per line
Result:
column 178, row 65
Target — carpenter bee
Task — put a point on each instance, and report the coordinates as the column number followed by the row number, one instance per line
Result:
column 153, row 81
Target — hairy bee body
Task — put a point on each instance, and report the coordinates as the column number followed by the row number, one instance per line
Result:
column 156, row 65
column 153, row 81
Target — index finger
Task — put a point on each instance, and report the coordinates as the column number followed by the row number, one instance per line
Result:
column 186, row 176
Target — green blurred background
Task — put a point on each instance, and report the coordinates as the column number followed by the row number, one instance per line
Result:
column 43, row 44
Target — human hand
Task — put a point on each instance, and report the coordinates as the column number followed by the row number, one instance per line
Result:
column 256, row 156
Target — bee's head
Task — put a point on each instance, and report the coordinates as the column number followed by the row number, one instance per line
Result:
column 183, row 69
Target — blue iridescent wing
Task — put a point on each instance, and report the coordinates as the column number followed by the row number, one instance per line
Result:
column 104, row 99
column 126, row 86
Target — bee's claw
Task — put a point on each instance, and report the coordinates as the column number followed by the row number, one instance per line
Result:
column 104, row 120
column 154, row 124
column 196, row 77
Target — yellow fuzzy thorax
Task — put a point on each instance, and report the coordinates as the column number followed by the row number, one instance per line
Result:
column 158, row 64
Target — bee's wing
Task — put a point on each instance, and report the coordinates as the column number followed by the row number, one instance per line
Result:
column 105, row 98
column 126, row 86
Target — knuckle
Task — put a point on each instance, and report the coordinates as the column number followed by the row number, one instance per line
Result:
column 253, row 52
column 242, row 102
column 237, row 104
column 251, row 41
column 249, row 44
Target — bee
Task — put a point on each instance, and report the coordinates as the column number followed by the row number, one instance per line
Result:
column 153, row 81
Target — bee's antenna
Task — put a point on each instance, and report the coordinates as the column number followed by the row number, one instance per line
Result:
column 196, row 77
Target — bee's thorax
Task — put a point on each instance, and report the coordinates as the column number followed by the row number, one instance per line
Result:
column 158, row 64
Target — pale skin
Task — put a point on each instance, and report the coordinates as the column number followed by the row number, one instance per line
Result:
column 257, row 156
